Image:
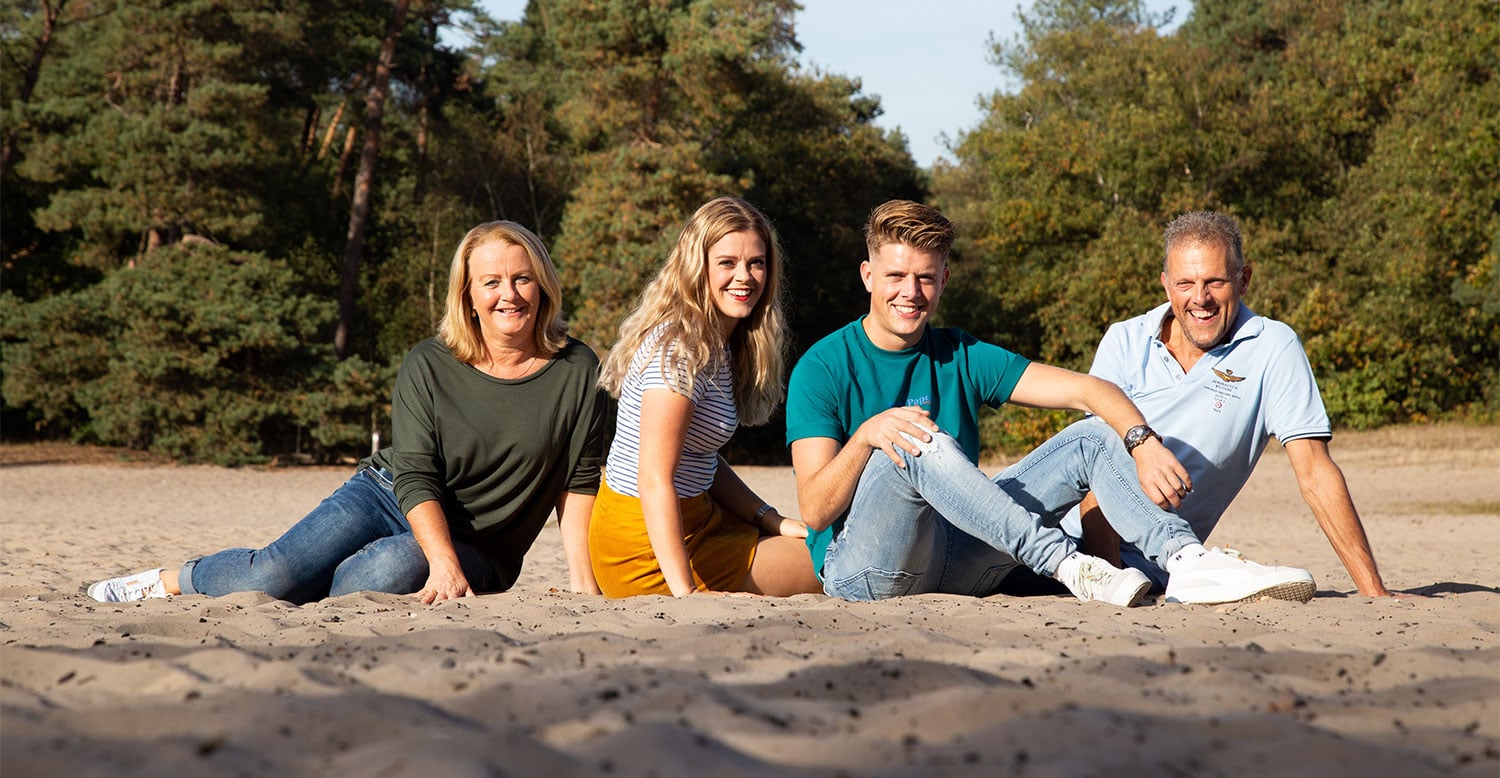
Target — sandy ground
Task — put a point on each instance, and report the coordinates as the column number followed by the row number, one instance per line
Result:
column 538, row 682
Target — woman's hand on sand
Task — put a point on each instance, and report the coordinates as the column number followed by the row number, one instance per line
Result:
column 717, row 593
column 445, row 584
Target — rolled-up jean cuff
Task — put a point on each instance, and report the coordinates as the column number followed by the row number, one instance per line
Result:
column 1172, row 546
column 185, row 577
column 1058, row 556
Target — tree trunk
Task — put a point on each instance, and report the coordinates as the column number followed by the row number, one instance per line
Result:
column 333, row 126
column 429, row 93
column 359, row 210
column 338, row 175
column 310, row 130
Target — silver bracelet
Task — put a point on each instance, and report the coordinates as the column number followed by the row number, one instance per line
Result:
column 765, row 508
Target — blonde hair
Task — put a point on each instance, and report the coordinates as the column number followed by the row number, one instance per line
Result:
column 459, row 329
column 679, row 298
column 911, row 224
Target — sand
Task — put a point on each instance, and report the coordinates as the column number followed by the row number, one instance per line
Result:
column 542, row 682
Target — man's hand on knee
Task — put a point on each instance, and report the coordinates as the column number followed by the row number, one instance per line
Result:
column 888, row 431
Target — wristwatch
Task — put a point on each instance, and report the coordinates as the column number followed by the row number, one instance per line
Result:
column 1137, row 435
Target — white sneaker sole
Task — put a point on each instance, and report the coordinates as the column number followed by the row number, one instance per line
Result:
column 1290, row 591
column 1136, row 596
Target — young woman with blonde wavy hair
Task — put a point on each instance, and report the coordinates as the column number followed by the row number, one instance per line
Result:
column 702, row 352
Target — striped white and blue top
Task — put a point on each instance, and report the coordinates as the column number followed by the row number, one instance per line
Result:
column 714, row 421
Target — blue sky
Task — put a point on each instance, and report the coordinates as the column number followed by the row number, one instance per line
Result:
column 928, row 66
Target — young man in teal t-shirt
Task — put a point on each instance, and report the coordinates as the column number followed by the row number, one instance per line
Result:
column 919, row 516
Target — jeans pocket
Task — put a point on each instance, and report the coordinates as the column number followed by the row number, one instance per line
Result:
column 873, row 584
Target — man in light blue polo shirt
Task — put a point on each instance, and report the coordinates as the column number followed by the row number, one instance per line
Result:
column 1216, row 381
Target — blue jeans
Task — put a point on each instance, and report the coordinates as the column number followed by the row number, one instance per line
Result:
column 355, row 540
column 940, row 525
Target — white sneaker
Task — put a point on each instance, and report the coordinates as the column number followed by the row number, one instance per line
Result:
column 1214, row 576
column 129, row 588
column 1091, row 578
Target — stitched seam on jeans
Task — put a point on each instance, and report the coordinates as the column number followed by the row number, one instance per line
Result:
column 863, row 580
column 947, row 556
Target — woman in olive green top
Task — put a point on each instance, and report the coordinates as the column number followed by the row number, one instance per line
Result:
column 495, row 423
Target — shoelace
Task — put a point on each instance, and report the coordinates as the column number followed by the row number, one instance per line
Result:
column 132, row 589
column 1091, row 579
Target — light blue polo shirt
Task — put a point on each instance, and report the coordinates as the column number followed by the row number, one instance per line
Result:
column 1218, row 417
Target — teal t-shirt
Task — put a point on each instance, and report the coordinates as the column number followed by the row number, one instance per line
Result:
column 845, row 379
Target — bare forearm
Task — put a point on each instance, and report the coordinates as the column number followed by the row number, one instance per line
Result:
column 733, row 494
column 430, row 528
column 1327, row 495
column 665, row 532
column 1334, row 509
column 828, row 471
column 824, row 495
column 445, row 574
column 574, row 511
column 1105, row 400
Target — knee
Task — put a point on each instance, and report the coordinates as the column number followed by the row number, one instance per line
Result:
column 387, row 565
column 941, row 448
column 1095, row 430
column 932, row 455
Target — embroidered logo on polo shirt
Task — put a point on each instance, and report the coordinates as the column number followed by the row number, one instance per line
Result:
column 1228, row 376
column 1226, row 390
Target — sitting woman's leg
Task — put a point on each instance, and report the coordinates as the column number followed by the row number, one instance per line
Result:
column 782, row 568
column 299, row 566
column 397, row 565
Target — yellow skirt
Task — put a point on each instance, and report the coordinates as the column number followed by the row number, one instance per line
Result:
column 720, row 547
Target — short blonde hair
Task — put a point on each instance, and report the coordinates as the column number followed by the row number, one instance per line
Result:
column 909, row 224
column 679, row 297
column 459, row 328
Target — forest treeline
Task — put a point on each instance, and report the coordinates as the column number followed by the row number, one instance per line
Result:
column 224, row 222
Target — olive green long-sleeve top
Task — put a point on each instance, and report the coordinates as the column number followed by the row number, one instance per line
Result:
column 496, row 454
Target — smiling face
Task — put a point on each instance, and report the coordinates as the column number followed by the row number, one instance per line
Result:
column 904, row 285
column 504, row 293
column 1205, row 295
column 736, row 275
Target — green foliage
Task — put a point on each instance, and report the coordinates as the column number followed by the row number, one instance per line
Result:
column 197, row 353
column 157, row 132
